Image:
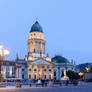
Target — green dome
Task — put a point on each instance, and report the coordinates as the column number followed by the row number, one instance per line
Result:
column 59, row 59
column 36, row 27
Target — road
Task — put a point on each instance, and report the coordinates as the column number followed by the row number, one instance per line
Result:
column 83, row 88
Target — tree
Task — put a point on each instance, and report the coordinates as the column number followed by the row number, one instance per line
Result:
column 72, row 74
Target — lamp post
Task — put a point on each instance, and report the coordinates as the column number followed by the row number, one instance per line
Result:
column 3, row 54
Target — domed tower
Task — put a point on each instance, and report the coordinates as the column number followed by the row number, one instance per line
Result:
column 36, row 41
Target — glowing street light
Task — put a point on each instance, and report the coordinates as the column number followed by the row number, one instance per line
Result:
column 80, row 74
column 3, row 52
column 88, row 69
column 1, row 46
column 6, row 52
column 1, row 49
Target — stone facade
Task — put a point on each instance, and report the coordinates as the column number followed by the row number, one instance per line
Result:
column 88, row 76
column 8, row 69
column 42, row 69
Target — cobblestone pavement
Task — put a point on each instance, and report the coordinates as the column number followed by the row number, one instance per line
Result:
column 87, row 87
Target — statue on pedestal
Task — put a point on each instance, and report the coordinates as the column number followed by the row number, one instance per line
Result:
column 65, row 77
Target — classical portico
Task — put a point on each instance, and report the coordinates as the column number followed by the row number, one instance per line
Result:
column 40, row 69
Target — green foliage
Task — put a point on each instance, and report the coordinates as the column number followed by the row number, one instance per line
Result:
column 10, row 76
column 72, row 74
column 91, row 69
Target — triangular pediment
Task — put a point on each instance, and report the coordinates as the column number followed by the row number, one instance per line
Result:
column 41, row 61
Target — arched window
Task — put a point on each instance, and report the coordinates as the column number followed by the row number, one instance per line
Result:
column 30, row 76
column 45, row 70
column 49, row 70
column 44, row 76
column 49, row 76
column 34, row 76
column 54, row 73
column 23, row 76
column 23, row 70
column 34, row 50
column 31, row 42
column 62, row 74
column 36, row 42
column 29, row 69
column 39, row 42
column 35, row 69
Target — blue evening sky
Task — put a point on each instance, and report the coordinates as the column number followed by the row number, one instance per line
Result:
column 67, row 25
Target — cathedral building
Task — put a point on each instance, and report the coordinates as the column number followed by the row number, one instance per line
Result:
column 36, row 65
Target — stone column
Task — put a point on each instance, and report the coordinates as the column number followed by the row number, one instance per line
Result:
column 38, row 72
column 32, row 72
column 43, row 72
column 47, row 72
column 52, row 72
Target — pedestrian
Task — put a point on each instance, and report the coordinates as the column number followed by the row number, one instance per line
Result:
column 49, row 83
column 78, row 82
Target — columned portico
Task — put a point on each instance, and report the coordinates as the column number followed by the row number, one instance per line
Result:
column 40, row 69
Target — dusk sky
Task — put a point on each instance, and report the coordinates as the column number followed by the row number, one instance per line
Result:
column 67, row 26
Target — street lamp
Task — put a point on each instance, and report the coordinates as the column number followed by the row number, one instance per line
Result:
column 1, row 49
column 6, row 52
column 80, row 74
column 3, row 54
column 88, row 69
column 1, row 46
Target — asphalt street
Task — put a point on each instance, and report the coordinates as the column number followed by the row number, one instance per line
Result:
column 71, row 88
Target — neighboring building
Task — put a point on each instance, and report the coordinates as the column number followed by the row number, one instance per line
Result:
column 83, row 67
column 88, row 76
column 85, row 70
column 8, row 69
column 36, row 65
